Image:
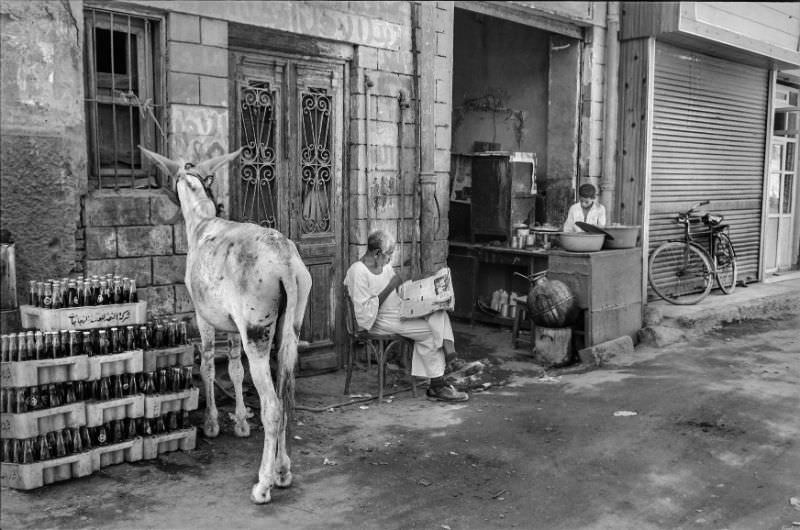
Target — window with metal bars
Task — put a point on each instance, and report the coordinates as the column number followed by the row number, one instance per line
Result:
column 124, row 97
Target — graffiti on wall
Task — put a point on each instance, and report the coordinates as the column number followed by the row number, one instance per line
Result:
column 200, row 133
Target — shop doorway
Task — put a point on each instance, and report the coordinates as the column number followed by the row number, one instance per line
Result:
column 782, row 232
column 288, row 115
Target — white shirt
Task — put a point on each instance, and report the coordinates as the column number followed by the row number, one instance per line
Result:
column 596, row 216
column 364, row 288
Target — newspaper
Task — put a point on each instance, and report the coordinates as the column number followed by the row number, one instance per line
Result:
column 428, row 295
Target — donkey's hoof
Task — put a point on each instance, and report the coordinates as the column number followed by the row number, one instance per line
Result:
column 283, row 478
column 241, row 428
column 211, row 429
column 260, row 494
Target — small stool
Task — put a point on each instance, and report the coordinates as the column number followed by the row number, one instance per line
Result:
column 520, row 318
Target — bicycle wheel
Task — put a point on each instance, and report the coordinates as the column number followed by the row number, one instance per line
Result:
column 680, row 273
column 725, row 258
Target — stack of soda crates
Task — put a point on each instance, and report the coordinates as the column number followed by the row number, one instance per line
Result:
column 84, row 387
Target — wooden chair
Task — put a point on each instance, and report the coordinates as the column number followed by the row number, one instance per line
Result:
column 378, row 345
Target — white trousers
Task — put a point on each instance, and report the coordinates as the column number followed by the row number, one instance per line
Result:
column 428, row 334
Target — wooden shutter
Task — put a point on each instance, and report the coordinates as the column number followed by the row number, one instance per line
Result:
column 709, row 133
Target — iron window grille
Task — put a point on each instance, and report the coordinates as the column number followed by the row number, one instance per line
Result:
column 124, row 97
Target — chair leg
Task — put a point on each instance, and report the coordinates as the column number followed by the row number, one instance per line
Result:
column 515, row 328
column 410, row 356
column 381, row 362
column 349, row 367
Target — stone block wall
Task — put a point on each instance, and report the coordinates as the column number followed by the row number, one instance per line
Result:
column 140, row 235
column 383, row 179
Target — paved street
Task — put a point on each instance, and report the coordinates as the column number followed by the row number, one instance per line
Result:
column 713, row 444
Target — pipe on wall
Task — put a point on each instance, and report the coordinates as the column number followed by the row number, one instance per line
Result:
column 611, row 99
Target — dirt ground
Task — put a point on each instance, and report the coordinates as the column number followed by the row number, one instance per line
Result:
column 713, row 444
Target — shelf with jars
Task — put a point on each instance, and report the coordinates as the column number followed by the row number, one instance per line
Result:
column 77, row 382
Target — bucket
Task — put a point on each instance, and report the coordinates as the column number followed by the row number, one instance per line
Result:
column 552, row 346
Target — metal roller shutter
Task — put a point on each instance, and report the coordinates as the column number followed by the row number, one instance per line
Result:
column 709, row 127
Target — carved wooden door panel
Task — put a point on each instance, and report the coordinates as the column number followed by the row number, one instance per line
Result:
column 288, row 115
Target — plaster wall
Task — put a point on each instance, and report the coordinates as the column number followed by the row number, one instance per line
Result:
column 42, row 135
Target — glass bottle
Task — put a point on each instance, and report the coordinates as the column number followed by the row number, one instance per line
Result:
column 22, row 347
column 69, row 393
column 44, row 396
column 44, row 448
column 130, row 338
column 102, row 342
column 101, row 292
column 55, row 297
column 61, row 449
column 188, row 381
column 134, row 297
column 38, row 345
column 47, row 296
column 130, row 428
column 33, row 298
column 163, row 385
column 4, row 351
column 72, row 294
column 80, row 293
column 149, row 383
column 54, row 395
column 116, row 431
column 88, row 344
column 117, row 391
column 116, row 291
column 63, row 339
column 74, row 347
column 113, row 340
column 103, row 392
column 79, row 390
column 172, row 421
column 77, row 440
column 6, row 454
column 86, row 439
column 143, row 339
column 69, row 444
column 159, row 426
column 33, row 398
column 22, row 400
column 30, row 344
column 133, row 385
column 101, row 434
column 158, row 335
column 16, row 451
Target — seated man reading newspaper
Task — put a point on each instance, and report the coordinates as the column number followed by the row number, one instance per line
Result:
column 373, row 287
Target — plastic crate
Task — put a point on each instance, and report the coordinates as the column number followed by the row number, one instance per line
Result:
column 183, row 439
column 158, row 404
column 34, row 423
column 87, row 317
column 166, row 357
column 107, row 455
column 127, row 362
column 44, row 371
column 37, row 474
column 100, row 412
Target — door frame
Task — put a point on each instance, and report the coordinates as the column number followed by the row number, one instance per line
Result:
column 336, row 60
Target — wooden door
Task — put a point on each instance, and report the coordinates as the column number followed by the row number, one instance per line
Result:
column 289, row 118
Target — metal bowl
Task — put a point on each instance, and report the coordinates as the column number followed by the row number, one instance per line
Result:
column 624, row 236
column 581, row 241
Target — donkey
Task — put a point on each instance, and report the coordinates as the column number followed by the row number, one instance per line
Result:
column 250, row 280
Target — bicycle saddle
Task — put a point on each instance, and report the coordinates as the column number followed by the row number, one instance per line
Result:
column 713, row 221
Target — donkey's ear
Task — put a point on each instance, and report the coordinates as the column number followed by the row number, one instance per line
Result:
column 170, row 167
column 211, row 166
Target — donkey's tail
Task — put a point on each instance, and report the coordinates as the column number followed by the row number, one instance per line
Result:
column 297, row 285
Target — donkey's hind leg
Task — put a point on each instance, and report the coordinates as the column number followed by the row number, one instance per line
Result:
column 211, row 424
column 236, row 371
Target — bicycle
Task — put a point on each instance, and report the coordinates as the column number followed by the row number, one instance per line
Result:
column 682, row 272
